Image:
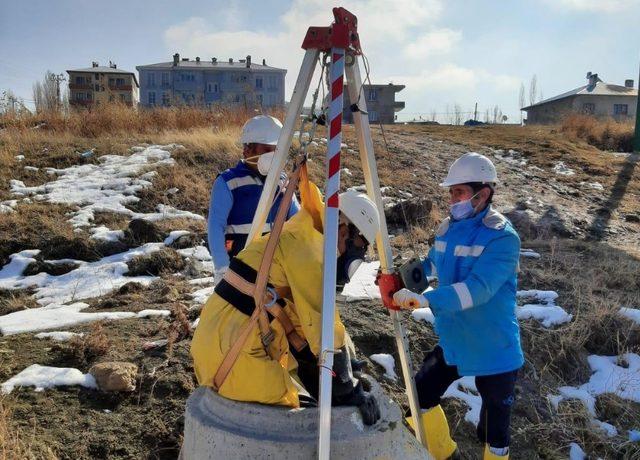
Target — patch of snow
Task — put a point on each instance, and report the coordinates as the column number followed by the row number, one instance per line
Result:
column 31, row 168
column 8, row 206
column 610, row 430
column 608, row 377
column 58, row 336
column 149, row 313
column 387, row 362
column 548, row 315
column 465, row 390
column 54, row 316
column 19, row 157
column 87, row 153
column 90, row 279
column 541, row 296
column 43, row 377
column 104, row 187
column 562, row 169
column 593, row 185
column 197, row 252
column 18, row 263
column 199, row 281
column 165, row 212
column 530, row 253
column 174, row 235
column 511, row 157
column 423, row 314
column 632, row 313
column 362, row 285
column 104, row 234
column 547, row 312
column 576, row 452
column 195, row 323
column 346, row 172
column 173, row 191
column 202, row 295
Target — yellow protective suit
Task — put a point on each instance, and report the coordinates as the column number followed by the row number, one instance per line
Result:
column 297, row 264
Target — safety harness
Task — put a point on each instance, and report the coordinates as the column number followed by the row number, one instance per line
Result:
column 267, row 299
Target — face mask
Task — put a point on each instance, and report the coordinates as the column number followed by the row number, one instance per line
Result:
column 264, row 162
column 462, row 209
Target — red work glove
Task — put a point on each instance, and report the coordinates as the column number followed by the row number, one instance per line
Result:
column 389, row 284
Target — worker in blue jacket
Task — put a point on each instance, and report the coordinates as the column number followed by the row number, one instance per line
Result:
column 236, row 193
column 475, row 258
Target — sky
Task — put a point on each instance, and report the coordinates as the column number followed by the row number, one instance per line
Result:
column 447, row 53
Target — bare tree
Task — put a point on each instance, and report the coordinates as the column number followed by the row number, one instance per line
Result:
column 541, row 96
column 45, row 93
column 521, row 100
column 486, row 116
column 457, row 114
column 10, row 104
column 533, row 90
column 496, row 109
column 433, row 115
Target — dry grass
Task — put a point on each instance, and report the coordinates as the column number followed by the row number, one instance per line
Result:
column 17, row 443
column 179, row 328
column 118, row 118
column 91, row 346
column 606, row 134
column 164, row 261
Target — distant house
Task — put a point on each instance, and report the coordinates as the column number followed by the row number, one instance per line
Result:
column 100, row 85
column 205, row 83
column 381, row 103
column 595, row 98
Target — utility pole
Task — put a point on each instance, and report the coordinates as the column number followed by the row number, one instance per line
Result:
column 475, row 113
column 57, row 79
column 636, row 142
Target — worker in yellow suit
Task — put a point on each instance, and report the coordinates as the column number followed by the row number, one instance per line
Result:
column 296, row 270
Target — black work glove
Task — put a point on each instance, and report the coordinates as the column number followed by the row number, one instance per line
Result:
column 365, row 401
column 369, row 409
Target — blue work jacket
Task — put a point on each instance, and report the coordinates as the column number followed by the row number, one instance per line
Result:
column 476, row 263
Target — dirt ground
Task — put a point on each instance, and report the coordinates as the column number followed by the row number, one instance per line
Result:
column 587, row 238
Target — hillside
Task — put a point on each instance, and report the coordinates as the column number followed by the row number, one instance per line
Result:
column 86, row 222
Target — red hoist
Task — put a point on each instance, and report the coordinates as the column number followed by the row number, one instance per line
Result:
column 339, row 45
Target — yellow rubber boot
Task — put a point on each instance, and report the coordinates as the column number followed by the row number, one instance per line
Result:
column 488, row 455
column 436, row 430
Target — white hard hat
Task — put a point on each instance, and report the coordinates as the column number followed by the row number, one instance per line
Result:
column 361, row 212
column 261, row 129
column 471, row 167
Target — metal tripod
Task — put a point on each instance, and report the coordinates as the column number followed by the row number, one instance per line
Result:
column 341, row 42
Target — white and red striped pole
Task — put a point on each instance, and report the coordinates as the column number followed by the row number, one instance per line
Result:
column 331, row 219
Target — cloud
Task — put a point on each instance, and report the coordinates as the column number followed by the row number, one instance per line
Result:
column 439, row 41
column 396, row 36
column 602, row 6
column 451, row 77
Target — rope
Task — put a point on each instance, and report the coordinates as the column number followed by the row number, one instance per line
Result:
column 367, row 78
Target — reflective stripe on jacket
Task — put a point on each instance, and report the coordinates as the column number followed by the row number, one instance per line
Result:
column 234, row 199
column 476, row 262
